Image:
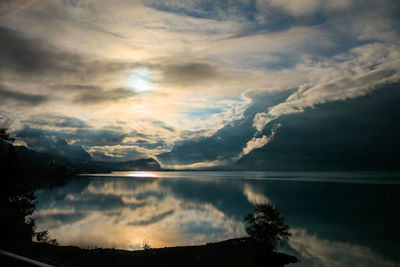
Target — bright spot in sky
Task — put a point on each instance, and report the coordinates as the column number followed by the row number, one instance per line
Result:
column 141, row 80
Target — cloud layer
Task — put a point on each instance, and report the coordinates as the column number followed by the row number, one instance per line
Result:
column 162, row 73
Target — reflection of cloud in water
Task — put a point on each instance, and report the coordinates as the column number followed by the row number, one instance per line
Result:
column 315, row 251
column 122, row 188
column 140, row 210
column 253, row 196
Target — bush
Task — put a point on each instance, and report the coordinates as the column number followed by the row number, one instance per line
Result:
column 266, row 226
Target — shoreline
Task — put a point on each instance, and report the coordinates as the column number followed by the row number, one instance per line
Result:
column 231, row 252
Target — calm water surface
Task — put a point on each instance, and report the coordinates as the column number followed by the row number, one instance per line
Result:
column 336, row 219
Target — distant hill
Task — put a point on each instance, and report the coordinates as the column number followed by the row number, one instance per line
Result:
column 102, row 166
column 30, row 164
column 23, row 165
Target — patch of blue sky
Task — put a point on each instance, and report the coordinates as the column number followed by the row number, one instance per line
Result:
column 285, row 61
column 276, row 19
column 209, row 9
column 203, row 113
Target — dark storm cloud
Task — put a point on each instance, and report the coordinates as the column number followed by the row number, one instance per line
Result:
column 100, row 95
column 98, row 137
column 19, row 97
column 356, row 134
column 57, row 121
column 23, row 55
column 28, row 56
column 94, row 94
column 182, row 71
column 75, row 87
column 153, row 219
column 90, row 137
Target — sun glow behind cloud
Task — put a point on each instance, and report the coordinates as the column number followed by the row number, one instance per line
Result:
column 141, row 80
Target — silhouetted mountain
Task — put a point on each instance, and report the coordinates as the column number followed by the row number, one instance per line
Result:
column 139, row 165
column 40, row 142
column 28, row 166
column 34, row 165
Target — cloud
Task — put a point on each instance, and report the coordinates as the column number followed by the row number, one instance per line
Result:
column 340, row 135
column 305, row 7
column 118, row 152
column 11, row 8
column 20, row 97
column 42, row 141
column 56, row 121
column 163, row 125
column 22, row 54
column 154, row 219
column 189, row 73
column 197, row 165
column 99, row 95
column 239, row 10
column 97, row 136
column 309, row 96
column 350, row 87
column 71, row 141
column 258, row 142
column 25, row 56
column 266, row 48
column 201, row 60
column 75, row 87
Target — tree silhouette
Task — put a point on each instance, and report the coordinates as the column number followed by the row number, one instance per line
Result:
column 17, row 199
column 5, row 136
column 266, row 226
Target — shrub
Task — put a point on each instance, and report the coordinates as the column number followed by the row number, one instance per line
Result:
column 266, row 226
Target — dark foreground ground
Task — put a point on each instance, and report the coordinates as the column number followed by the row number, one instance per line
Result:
column 233, row 252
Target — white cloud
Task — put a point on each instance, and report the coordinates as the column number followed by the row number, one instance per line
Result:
column 197, row 165
column 341, row 89
column 258, row 142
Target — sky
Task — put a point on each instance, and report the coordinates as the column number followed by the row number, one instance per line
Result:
column 190, row 83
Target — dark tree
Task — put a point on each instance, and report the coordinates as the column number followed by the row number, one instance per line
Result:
column 17, row 199
column 5, row 136
column 266, row 226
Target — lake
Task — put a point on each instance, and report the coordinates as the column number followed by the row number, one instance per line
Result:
column 336, row 219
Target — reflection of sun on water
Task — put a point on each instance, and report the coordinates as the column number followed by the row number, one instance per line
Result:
column 142, row 174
